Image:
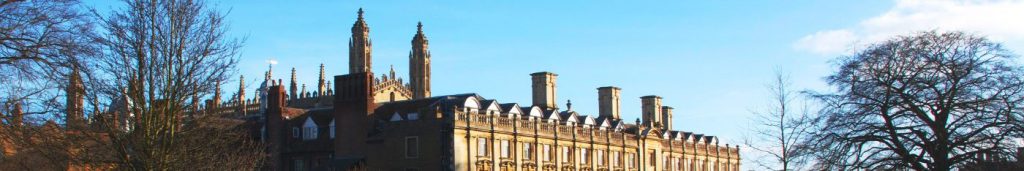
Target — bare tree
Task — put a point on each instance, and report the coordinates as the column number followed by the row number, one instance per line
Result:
column 929, row 101
column 160, row 56
column 781, row 128
column 40, row 42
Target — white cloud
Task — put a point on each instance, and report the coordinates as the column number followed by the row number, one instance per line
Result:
column 826, row 42
column 1000, row 20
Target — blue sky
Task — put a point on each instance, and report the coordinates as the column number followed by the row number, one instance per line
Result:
column 710, row 60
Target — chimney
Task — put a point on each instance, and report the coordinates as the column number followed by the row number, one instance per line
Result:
column 275, row 124
column 544, row 90
column 608, row 102
column 651, row 108
column 666, row 113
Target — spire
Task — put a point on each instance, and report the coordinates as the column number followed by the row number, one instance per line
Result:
column 419, row 64
column 360, row 47
column 302, row 94
column 293, row 89
column 321, row 87
column 75, row 92
column 392, row 72
column 268, row 72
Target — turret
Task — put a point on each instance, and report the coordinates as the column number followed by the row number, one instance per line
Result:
column 360, row 47
column 419, row 65
column 321, row 89
column 241, row 95
column 293, row 87
column 17, row 116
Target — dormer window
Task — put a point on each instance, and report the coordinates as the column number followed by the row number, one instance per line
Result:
column 309, row 129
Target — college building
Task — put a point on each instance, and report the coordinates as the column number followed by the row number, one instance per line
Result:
column 368, row 122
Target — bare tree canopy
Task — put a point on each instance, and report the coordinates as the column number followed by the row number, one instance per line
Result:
column 929, row 101
column 161, row 55
column 781, row 128
column 40, row 42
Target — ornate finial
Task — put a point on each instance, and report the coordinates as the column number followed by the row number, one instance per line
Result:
column 293, row 74
column 360, row 13
column 637, row 121
column 419, row 26
column 568, row 105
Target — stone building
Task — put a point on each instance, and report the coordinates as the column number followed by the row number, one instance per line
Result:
column 369, row 122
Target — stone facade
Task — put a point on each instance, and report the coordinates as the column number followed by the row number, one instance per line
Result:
column 381, row 123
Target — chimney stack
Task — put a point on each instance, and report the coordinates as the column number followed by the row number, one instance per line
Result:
column 608, row 102
column 651, row 108
column 666, row 113
column 544, row 90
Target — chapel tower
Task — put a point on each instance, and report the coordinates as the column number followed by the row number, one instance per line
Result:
column 419, row 65
column 75, row 92
column 360, row 47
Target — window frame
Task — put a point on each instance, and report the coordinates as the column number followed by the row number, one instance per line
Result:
column 415, row 145
column 482, row 148
column 505, row 149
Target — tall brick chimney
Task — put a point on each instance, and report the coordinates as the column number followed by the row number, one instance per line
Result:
column 275, row 130
column 353, row 107
column 608, row 102
column 651, row 108
column 544, row 90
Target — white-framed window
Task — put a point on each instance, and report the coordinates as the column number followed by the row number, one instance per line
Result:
column 566, row 154
column 527, row 151
column 547, row 152
column 413, row 116
column 615, row 159
column 309, row 133
column 504, row 149
column 584, row 157
column 481, row 147
column 412, row 147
